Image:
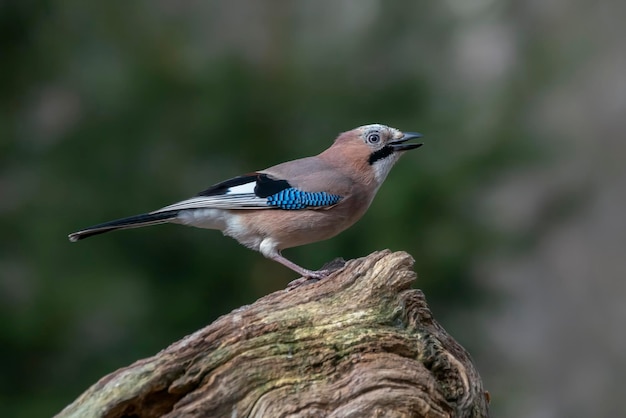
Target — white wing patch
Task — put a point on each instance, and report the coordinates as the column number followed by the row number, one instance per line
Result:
column 247, row 188
column 236, row 197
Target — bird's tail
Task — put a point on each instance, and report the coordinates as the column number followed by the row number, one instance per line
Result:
column 136, row 221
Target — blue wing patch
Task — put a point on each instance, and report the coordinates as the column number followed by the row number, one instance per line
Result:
column 294, row 199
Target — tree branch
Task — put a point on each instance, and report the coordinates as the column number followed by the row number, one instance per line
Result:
column 360, row 343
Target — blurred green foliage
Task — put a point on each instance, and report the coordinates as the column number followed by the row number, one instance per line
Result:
column 110, row 109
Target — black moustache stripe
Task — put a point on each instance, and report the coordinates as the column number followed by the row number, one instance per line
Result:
column 384, row 152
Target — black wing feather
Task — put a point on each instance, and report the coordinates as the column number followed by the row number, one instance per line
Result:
column 267, row 186
column 222, row 188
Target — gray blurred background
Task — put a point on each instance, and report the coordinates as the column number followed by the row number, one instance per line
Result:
column 514, row 209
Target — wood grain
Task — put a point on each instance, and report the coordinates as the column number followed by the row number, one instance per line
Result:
column 361, row 343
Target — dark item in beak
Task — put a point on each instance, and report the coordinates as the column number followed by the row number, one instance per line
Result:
column 400, row 145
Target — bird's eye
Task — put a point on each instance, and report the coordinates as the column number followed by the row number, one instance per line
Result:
column 373, row 138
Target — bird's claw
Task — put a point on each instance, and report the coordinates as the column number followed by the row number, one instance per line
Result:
column 310, row 278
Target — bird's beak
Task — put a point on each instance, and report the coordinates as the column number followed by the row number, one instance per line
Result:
column 400, row 145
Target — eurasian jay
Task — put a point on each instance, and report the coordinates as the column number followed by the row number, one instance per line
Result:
column 290, row 204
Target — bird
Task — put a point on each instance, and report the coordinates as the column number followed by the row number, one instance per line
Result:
column 290, row 204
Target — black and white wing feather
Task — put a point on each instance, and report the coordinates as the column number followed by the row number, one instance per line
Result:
column 243, row 192
column 252, row 191
column 255, row 191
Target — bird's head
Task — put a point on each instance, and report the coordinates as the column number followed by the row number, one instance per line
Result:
column 374, row 148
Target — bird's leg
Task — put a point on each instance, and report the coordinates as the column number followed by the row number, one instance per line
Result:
column 325, row 271
column 269, row 249
column 307, row 275
column 311, row 274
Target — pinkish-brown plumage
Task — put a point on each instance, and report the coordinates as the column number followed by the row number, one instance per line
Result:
column 290, row 204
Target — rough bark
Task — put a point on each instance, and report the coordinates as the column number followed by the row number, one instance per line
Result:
column 360, row 343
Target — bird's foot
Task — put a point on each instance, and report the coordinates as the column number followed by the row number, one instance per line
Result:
column 311, row 276
column 301, row 281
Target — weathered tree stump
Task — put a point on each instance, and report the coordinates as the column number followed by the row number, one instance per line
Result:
column 360, row 343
